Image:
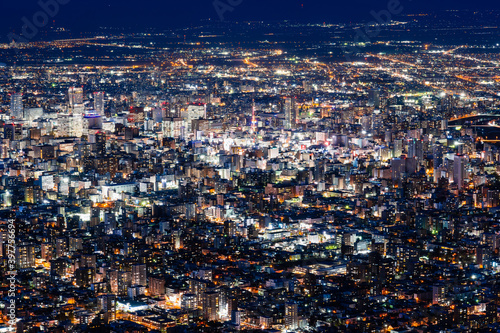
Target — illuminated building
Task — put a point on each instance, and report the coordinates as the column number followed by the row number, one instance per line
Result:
column 99, row 102
column 291, row 316
column 75, row 99
column 16, row 106
column 210, row 306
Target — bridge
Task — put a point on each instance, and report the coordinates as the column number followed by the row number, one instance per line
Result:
column 480, row 119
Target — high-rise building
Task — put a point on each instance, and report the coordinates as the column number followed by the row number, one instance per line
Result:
column 416, row 149
column 85, row 276
column 99, row 102
column 25, row 256
column 61, row 247
column 119, row 281
column 291, row 316
column 107, row 304
column 398, row 168
column 236, row 317
column 88, row 260
column 156, row 286
column 459, row 171
column 100, row 139
column 398, row 148
column 374, row 98
column 188, row 302
column 75, row 99
column 75, row 125
column 139, row 275
column 210, row 306
column 290, row 113
column 16, row 106
column 193, row 112
column 172, row 127
column 438, row 293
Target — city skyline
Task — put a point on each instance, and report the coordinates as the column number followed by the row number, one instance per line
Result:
column 286, row 174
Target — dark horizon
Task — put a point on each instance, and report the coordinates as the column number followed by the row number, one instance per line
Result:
column 91, row 15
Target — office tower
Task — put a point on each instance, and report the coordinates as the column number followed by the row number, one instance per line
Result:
column 139, row 274
column 210, row 306
column 16, row 106
column 100, row 139
column 366, row 123
column 291, row 316
column 398, row 168
column 25, row 256
column 437, row 152
column 90, row 121
column 75, row 125
column 398, row 148
column 75, row 99
column 99, row 102
column 254, row 122
column 459, row 171
column 75, row 96
column 374, row 98
column 172, row 127
column 411, row 165
column 193, row 112
column 416, row 149
column 290, row 113
column 295, row 113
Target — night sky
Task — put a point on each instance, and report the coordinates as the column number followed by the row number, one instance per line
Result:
column 84, row 15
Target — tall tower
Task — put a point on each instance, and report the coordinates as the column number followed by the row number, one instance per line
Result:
column 254, row 122
column 398, row 148
column 99, row 102
column 210, row 306
column 107, row 304
column 16, row 105
column 374, row 98
column 290, row 113
column 25, row 256
column 100, row 144
column 75, row 99
column 139, row 274
column 291, row 316
column 459, row 171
